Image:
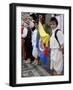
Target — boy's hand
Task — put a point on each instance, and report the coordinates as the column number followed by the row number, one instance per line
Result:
column 62, row 49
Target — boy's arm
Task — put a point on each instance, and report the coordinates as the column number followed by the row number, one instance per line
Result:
column 62, row 47
column 61, row 39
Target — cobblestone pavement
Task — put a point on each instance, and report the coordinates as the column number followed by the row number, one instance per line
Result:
column 30, row 70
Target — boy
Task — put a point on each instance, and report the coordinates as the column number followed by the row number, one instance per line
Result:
column 33, row 38
column 56, row 47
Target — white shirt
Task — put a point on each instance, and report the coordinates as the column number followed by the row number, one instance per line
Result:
column 34, row 35
column 25, row 31
column 53, row 42
column 34, row 51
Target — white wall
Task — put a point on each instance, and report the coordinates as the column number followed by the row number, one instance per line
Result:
column 4, row 44
column 60, row 22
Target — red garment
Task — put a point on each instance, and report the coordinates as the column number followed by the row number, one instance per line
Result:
column 22, row 28
column 23, row 54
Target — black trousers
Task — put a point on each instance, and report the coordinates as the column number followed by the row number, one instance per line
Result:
column 28, row 49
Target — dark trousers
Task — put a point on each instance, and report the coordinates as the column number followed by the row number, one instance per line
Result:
column 28, row 49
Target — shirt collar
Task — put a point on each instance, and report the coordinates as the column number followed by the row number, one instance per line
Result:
column 53, row 30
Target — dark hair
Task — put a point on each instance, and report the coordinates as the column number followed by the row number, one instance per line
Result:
column 54, row 19
column 34, row 16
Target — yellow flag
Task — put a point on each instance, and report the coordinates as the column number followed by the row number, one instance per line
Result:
column 44, row 36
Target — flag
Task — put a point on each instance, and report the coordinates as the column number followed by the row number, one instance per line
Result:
column 40, row 50
column 44, row 36
column 42, row 44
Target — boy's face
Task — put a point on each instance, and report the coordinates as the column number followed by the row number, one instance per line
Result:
column 53, row 24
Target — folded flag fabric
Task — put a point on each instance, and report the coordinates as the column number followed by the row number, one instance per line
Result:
column 44, row 36
column 42, row 44
column 43, row 58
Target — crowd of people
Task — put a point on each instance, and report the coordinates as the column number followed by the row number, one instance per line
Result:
column 29, row 30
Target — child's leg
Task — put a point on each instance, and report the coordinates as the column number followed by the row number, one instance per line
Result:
column 51, row 64
column 51, row 60
column 58, row 63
